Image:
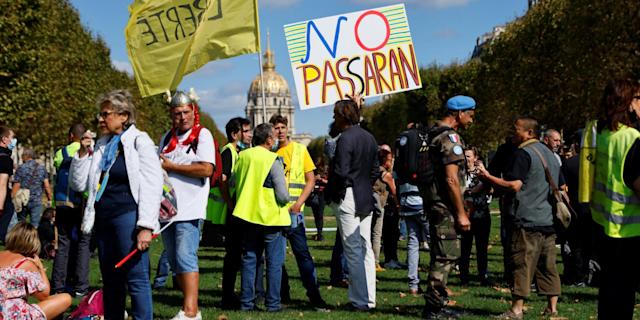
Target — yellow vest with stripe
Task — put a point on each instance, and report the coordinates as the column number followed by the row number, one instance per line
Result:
column 614, row 205
column 295, row 178
column 255, row 203
column 586, row 173
column 216, row 207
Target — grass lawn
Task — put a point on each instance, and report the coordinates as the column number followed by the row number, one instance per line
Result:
column 392, row 298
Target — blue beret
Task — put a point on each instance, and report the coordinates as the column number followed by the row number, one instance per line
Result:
column 461, row 103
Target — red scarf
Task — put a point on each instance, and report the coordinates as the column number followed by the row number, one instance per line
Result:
column 195, row 131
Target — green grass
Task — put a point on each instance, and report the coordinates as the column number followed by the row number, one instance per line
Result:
column 477, row 302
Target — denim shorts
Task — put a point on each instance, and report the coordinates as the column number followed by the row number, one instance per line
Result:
column 181, row 241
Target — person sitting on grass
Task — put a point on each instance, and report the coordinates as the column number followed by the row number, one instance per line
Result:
column 22, row 275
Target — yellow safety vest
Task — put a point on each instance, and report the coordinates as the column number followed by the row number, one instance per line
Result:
column 614, row 205
column 295, row 177
column 587, row 162
column 216, row 207
column 254, row 202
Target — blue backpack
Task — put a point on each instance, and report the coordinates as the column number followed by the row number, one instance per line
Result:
column 64, row 195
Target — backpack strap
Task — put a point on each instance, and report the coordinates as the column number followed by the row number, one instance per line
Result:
column 65, row 153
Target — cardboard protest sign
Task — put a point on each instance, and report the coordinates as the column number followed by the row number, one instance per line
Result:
column 368, row 51
column 167, row 39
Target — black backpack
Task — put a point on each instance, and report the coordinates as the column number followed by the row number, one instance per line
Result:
column 413, row 161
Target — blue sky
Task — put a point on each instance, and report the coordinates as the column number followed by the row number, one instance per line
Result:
column 443, row 31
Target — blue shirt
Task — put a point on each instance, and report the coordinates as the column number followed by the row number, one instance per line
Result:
column 31, row 176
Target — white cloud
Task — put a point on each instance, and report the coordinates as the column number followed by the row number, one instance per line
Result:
column 223, row 103
column 124, row 66
column 424, row 3
column 278, row 3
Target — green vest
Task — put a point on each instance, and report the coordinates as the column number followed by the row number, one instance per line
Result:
column 295, row 179
column 614, row 205
column 216, row 207
column 255, row 203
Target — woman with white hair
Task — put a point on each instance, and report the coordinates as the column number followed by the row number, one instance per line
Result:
column 124, row 180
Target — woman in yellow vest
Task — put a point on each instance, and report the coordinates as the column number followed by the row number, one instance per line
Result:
column 261, row 199
column 615, row 201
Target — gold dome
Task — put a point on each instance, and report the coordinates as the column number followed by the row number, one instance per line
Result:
column 275, row 84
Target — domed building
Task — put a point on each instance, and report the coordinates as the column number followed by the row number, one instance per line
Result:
column 277, row 98
column 276, row 91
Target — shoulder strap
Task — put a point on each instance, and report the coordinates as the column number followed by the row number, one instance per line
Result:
column 19, row 263
column 554, row 187
column 65, row 153
column 560, row 196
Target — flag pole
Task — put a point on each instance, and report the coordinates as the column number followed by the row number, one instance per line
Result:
column 264, row 99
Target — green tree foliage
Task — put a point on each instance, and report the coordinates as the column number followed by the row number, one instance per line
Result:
column 552, row 63
column 52, row 71
column 391, row 116
column 207, row 122
column 316, row 148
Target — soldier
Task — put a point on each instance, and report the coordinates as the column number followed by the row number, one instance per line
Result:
column 443, row 201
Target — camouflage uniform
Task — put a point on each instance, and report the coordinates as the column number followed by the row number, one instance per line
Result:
column 446, row 148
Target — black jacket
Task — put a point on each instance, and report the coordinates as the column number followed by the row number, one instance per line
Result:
column 355, row 165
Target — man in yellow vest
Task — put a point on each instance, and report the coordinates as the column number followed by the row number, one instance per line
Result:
column 615, row 200
column 220, row 207
column 261, row 199
column 298, row 169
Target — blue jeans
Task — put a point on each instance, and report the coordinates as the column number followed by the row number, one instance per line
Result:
column 33, row 209
column 415, row 235
column 298, row 240
column 117, row 236
column 162, row 272
column 257, row 238
column 181, row 241
column 339, row 268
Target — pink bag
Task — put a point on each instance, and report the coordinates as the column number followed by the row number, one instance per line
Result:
column 91, row 306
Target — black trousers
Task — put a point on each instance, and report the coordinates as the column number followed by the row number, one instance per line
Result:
column 232, row 259
column 390, row 234
column 506, row 229
column 480, row 229
column 318, row 212
column 620, row 277
column 6, row 216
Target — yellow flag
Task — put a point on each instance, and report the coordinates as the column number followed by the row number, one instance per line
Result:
column 167, row 39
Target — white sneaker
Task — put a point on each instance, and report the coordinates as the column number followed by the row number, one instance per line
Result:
column 182, row 316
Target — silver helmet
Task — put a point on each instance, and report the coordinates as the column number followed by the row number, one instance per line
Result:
column 181, row 98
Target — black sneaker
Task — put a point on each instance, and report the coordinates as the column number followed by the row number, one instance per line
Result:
column 320, row 305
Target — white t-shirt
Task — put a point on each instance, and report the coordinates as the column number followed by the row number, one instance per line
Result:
column 191, row 193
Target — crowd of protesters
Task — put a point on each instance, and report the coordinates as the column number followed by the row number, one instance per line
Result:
column 110, row 190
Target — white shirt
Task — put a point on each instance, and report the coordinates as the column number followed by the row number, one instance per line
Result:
column 191, row 193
